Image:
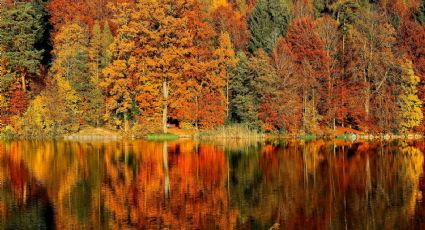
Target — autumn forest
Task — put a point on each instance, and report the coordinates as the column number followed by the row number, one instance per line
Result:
column 275, row 66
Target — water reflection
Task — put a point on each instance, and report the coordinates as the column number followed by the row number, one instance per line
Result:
column 185, row 184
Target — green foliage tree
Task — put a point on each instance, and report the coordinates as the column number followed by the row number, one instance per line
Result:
column 99, row 59
column 247, row 85
column 420, row 14
column 99, row 43
column 21, row 28
column 106, row 40
column 267, row 23
column 96, row 51
column 243, row 108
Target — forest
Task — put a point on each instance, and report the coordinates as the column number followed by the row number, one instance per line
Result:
column 275, row 66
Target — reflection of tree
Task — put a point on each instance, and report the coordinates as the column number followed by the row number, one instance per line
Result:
column 172, row 187
column 184, row 184
column 318, row 184
column 70, row 174
column 23, row 200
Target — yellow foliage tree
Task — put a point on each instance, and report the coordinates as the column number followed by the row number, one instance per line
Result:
column 211, row 5
column 410, row 104
column 45, row 118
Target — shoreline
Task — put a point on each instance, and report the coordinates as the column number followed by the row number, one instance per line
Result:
column 197, row 136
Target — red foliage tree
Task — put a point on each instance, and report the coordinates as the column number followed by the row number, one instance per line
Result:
column 18, row 102
column 311, row 66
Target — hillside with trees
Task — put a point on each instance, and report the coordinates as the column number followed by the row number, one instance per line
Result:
column 139, row 66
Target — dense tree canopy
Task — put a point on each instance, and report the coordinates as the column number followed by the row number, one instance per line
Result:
column 274, row 65
column 21, row 29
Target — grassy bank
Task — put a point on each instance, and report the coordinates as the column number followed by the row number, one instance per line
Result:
column 162, row 137
column 227, row 132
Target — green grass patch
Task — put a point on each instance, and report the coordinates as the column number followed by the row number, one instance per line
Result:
column 307, row 137
column 162, row 137
column 343, row 136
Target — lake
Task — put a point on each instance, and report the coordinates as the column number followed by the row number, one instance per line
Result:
column 236, row 184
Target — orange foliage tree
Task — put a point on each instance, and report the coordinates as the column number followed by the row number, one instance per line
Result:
column 226, row 19
column 166, row 59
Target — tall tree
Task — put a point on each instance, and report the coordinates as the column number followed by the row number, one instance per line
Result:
column 119, row 76
column 96, row 51
column 411, row 38
column 327, row 29
column 281, row 107
column 202, row 80
column 106, row 40
column 72, row 64
column 410, row 104
column 225, row 61
column 21, row 28
column 267, row 23
column 99, row 59
column 169, row 53
column 380, row 66
column 312, row 65
column 244, row 98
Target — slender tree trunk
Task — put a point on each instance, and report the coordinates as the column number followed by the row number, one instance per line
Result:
column 24, row 86
column 367, row 98
column 197, row 113
column 343, row 70
column 165, row 106
column 304, row 109
column 313, row 111
column 227, row 97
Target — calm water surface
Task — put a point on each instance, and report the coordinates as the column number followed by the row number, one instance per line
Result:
column 190, row 185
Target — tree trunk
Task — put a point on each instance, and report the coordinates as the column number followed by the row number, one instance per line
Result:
column 313, row 111
column 227, row 98
column 164, row 106
column 24, row 87
column 304, row 109
column 197, row 113
column 367, row 99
